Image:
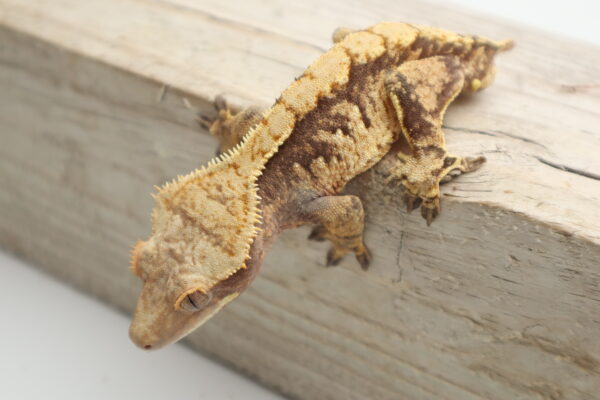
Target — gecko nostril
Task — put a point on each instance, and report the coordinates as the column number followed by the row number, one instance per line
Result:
column 148, row 346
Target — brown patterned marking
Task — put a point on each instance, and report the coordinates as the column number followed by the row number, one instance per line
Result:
column 452, row 87
column 419, row 45
column 322, row 118
column 319, row 119
column 384, row 38
column 189, row 221
column 335, row 122
column 435, row 81
column 363, row 110
column 411, row 120
column 448, row 161
column 434, row 149
column 348, row 54
column 287, row 107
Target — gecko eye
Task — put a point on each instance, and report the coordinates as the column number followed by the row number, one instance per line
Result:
column 196, row 301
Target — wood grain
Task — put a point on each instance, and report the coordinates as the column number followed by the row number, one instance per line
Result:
column 498, row 299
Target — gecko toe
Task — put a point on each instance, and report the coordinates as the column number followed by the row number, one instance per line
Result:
column 430, row 210
column 364, row 259
column 220, row 103
column 204, row 121
column 412, row 202
column 333, row 258
column 473, row 163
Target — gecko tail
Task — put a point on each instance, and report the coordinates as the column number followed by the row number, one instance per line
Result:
column 505, row 45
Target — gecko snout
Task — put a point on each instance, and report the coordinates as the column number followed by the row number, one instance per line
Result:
column 141, row 340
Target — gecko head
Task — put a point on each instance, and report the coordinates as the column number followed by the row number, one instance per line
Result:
column 172, row 303
column 197, row 258
column 176, row 296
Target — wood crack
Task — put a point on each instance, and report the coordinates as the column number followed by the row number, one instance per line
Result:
column 494, row 133
column 571, row 170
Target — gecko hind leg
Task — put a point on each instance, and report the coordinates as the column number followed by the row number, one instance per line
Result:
column 230, row 125
column 340, row 220
column 420, row 91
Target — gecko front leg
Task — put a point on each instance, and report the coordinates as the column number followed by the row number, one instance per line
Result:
column 420, row 91
column 340, row 220
column 231, row 125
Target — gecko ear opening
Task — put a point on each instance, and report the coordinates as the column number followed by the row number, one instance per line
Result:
column 193, row 300
column 135, row 255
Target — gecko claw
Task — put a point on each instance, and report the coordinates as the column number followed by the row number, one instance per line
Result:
column 364, row 259
column 333, row 258
column 220, row 103
column 412, row 202
column 204, row 121
column 430, row 210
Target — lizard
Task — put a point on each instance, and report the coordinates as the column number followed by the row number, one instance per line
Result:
column 382, row 91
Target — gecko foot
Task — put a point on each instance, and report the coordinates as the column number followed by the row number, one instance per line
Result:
column 219, row 104
column 335, row 255
column 341, row 246
column 339, row 219
column 425, row 193
column 231, row 124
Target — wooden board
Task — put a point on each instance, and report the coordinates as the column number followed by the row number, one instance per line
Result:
column 498, row 299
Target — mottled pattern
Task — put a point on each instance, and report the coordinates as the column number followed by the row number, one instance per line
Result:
column 374, row 88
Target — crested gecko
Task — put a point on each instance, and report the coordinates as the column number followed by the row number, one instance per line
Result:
column 376, row 91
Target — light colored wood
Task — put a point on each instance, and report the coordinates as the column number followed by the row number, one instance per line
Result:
column 498, row 299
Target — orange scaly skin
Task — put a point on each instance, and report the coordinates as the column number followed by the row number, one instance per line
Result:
column 389, row 84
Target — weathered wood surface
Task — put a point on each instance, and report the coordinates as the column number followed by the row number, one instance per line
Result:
column 498, row 299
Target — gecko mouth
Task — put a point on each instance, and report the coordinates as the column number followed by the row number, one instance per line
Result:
column 173, row 325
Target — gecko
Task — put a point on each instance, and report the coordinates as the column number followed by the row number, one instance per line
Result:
column 382, row 91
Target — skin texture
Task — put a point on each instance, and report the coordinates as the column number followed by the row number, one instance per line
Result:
column 378, row 91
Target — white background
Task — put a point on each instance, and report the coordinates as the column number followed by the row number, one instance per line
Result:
column 576, row 19
column 46, row 354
